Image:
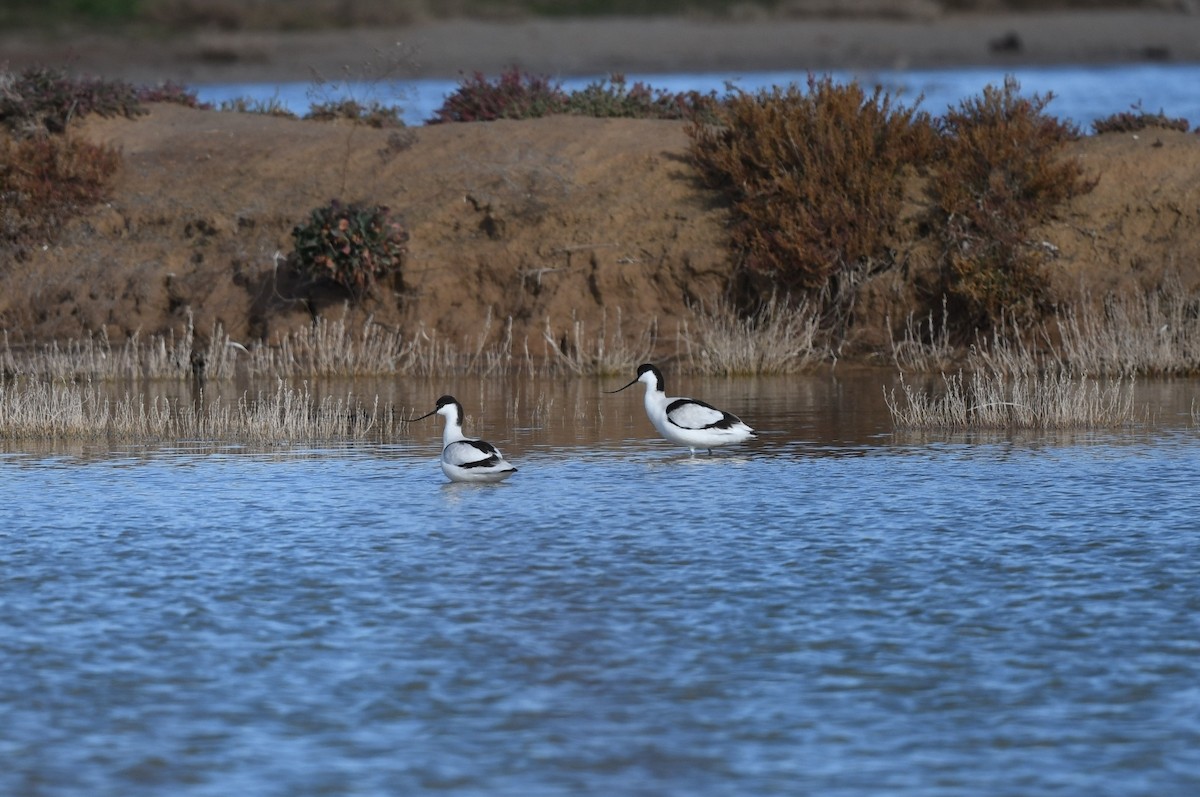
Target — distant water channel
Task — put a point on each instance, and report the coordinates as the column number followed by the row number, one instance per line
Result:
column 834, row 609
column 1082, row 94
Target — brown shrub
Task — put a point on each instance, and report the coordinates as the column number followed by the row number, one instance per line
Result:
column 44, row 180
column 813, row 176
column 1001, row 174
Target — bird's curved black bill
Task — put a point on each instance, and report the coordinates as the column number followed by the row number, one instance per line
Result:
column 618, row 390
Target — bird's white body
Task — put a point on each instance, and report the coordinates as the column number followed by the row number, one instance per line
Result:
column 689, row 422
column 466, row 459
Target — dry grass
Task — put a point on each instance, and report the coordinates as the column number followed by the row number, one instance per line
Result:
column 780, row 338
column 926, row 347
column 95, row 357
column 54, row 410
column 995, row 400
column 1154, row 333
column 333, row 349
column 609, row 352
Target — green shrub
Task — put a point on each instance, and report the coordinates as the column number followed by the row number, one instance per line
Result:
column 1136, row 119
column 1001, row 174
column 44, row 181
column 353, row 246
column 814, row 177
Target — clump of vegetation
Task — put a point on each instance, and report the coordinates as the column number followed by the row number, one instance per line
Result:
column 32, row 409
column 514, row 95
column 616, row 98
column 353, row 246
column 268, row 107
column 519, row 95
column 1000, row 174
column 814, row 177
column 994, row 400
column 40, row 99
column 171, row 92
column 1136, row 119
column 372, row 114
column 45, row 180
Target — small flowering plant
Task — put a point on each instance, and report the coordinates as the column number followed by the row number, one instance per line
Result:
column 352, row 245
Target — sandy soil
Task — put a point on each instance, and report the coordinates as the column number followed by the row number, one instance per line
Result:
column 549, row 223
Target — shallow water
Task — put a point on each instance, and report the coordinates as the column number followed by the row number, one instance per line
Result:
column 1082, row 94
column 830, row 610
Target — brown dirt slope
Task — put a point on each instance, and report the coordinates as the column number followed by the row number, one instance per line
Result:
column 547, row 222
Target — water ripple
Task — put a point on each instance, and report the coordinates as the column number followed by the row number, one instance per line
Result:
column 919, row 619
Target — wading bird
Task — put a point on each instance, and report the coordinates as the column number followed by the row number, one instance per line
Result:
column 465, row 459
column 686, row 421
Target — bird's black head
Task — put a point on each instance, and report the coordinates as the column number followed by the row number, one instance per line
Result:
column 643, row 369
column 442, row 403
column 647, row 368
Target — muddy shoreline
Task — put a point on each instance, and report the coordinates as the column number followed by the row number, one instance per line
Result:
column 569, row 47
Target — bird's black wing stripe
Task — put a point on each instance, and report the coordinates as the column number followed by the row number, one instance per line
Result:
column 483, row 447
column 726, row 421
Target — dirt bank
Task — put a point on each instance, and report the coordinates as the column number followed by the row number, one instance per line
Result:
column 546, row 222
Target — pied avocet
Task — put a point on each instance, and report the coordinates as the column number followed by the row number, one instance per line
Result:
column 686, row 421
column 465, row 459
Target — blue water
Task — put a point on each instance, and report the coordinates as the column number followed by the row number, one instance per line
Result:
column 831, row 610
column 1082, row 94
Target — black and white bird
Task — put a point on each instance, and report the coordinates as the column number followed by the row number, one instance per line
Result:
column 466, row 459
column 687, row 421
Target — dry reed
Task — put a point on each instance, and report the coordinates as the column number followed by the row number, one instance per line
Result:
column 37, row 410
column 1156, row 332
column 1153, row 333
column 925, row 348
column 1001, row 401
column 780, row 338
column 609, row 352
